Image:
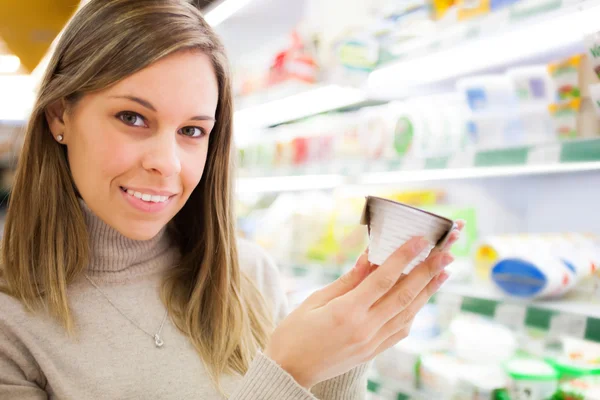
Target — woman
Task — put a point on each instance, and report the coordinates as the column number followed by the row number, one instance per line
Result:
column 122, row 277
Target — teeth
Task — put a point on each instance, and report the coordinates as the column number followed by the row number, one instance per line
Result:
column 147, row 197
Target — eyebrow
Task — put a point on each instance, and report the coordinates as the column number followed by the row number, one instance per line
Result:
column 148, row 105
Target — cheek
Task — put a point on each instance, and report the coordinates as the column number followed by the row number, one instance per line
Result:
column 98, row 152
column 192, row 168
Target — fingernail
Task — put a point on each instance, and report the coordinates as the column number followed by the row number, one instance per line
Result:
column 444, row 260
column 419, row 245
column 443, row 277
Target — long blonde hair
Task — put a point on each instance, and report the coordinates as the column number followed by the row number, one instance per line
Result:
column 45, row 245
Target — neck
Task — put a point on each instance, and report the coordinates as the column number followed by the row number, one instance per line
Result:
column 115, row 257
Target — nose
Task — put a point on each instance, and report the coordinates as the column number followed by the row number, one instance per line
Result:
column 162, row 155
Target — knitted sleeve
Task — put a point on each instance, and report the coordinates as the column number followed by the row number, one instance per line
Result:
column 20, row 377
column 265, row 379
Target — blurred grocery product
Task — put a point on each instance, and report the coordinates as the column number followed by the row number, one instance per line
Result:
column 531, row 379
column 572, row 77
column 536, row 266
column 468, row 9
column 481, row 341
column 532, row 84
column 592, row 43
column 576, row 359
column 488, row 92
column 584, row 388
column 575, row 118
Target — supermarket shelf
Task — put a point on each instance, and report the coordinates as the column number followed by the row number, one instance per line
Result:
column 525, row 31
column 299, row 104
column 475, row 173
column 557, row 158
column 288, row 183
column 577, row 318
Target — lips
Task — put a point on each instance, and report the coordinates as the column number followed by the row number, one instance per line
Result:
column 147, row 197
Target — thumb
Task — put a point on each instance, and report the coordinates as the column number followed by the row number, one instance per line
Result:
column 346, row 282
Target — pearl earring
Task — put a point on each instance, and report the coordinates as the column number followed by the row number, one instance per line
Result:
column 59, row 138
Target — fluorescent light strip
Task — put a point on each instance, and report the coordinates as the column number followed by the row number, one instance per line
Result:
column 309, row 102
column 288, row 183
column 224, row 10
column 381, row 178
column 506, row 47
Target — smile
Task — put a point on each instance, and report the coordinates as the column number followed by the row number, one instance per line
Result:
column 149, row 198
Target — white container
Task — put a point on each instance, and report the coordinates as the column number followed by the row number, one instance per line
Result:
column 532, row 84
column 492, row 130
column 391, row 224
column 481, row 341
column 488, row 92
column 531, row 379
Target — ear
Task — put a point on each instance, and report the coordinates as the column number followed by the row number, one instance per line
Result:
column 55, row 114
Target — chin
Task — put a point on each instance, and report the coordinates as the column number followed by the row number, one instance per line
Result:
column 141, row 231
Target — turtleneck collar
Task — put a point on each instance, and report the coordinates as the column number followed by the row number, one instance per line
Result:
column 116, row 258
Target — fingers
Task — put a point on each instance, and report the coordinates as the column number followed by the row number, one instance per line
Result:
column 398, row 327
column 405, row 293
column 345, row 283
column 454, row 236
column 384, row 277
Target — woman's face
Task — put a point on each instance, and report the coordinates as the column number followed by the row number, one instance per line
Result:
column 137, row 150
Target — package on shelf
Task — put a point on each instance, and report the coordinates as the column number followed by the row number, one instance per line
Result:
column 531, row 378
column 400, row 362
column 375, row 132
column 488, row 92
column 576, row 358
column 572, row 77
column 468, row 9
column 441, row 7
column 428, row 125
column 532, row 84
column 584, row 388
column 481, row 341
column 575, row 118
column 592, row 44
column 498, row 118
column 538, row 266
column 444, row 376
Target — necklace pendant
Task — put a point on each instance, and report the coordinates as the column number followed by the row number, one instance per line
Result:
column 158, row 341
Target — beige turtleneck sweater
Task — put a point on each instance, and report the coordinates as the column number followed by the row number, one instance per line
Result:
column 112, row 359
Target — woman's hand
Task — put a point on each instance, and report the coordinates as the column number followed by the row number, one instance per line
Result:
column 358, row 316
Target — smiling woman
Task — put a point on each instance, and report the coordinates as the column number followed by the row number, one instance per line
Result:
column 150, row 132
column 121, row 274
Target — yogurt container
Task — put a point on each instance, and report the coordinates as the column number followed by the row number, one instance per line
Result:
column 586, row 388
column 391, row 224
column 531, row 379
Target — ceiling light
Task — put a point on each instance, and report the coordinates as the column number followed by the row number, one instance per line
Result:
column 9, row 64
column 224, row 10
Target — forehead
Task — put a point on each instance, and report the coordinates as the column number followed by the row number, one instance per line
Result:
column 184, row 82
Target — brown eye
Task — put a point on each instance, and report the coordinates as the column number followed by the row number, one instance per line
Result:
column 192, row 131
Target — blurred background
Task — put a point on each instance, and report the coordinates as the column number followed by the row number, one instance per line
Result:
column 484, row 110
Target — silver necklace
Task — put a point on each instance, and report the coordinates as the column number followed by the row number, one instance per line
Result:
column 158, row 342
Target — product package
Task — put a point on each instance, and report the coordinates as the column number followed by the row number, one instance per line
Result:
column 531, row 379
column 391, row 224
